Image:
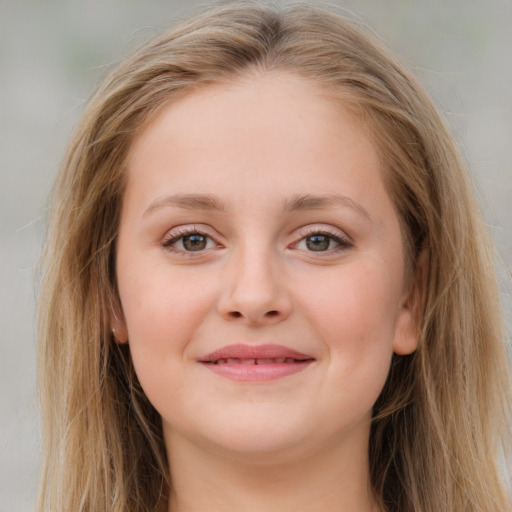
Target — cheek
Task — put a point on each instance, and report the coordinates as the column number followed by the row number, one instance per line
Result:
column 162, row 308
column 355, row 313
column 354, row 305
column 163, row 311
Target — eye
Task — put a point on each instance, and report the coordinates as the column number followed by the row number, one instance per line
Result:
column 322, row 242
column 319, row 242
column 191, row 241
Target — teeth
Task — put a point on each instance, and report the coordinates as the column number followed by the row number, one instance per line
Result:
column 263, row 360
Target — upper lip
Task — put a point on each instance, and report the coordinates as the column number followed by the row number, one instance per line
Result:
column 242, row 351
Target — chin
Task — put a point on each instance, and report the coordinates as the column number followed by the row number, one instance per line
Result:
column 251, row 437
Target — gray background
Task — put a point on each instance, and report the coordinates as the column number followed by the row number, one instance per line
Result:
column 53, row 53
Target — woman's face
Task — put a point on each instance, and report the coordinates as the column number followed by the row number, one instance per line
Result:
column 260, row 270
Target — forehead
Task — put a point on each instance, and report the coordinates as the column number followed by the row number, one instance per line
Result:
column 275, row 115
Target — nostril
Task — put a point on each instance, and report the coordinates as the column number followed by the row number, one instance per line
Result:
column 236, row 314
column 272, row 313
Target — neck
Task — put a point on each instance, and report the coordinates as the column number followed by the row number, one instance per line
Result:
column 333, row 479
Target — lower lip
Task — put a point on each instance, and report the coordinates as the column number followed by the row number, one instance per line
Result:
column 257, row 372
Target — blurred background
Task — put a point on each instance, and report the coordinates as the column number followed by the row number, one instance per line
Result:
column 52, row 54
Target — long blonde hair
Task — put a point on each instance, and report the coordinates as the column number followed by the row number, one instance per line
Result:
column 441, row 421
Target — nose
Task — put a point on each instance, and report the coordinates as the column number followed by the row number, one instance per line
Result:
column 255, row 292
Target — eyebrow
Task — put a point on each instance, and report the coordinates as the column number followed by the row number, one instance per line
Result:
column 188, row 201
column 310, row 202
column 210, row 202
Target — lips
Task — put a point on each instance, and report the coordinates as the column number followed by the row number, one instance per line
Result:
column 236, row 360
column 256, row 362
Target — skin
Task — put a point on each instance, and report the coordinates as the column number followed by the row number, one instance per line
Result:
column 255, row 145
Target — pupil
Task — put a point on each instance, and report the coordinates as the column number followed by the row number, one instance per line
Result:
column 194, row 242
column 317, row 242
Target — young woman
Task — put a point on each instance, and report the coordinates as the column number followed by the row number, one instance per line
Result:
column 267, row 286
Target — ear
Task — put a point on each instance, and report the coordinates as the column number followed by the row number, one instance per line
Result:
column 409, row 316
column 118, row 324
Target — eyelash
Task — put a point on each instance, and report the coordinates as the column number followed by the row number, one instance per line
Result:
column 343, row 241
column 174, row 236
column 179, row 233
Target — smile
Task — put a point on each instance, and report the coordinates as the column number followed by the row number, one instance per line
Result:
column 277, row 360
column 256, row 363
